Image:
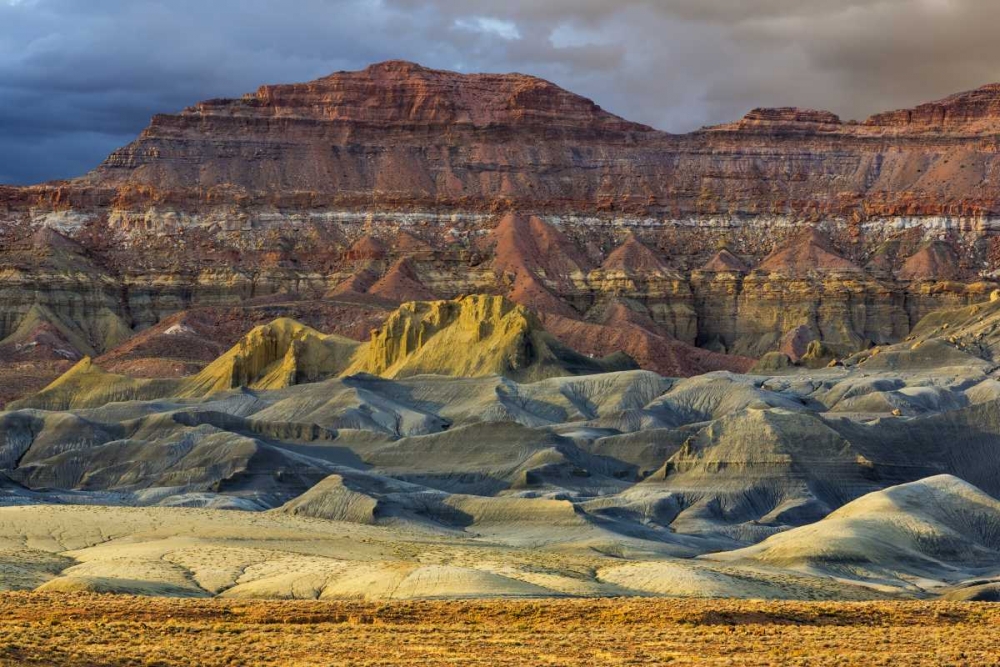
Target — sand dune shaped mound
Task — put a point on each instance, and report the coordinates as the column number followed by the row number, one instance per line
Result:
column 359, row 497
column 714, row 395
column 366, row 248
column 972, row 330
column 934, row 354
column 400, row 284
column 203, row 459
column 537, row 404
column 692, row 579
column 725, row 262
column 355, row 286
column 633, row 266
column 30, row 436
column 935, row 261
column 595, row 396
column 42, row 335
column 177, row 346
column 893, row 395
column 907, row 401
column 388, row 580
column 487, row 458
column 535, row 258
column 356, row 402
column 962, row 340
column 934, row 530
column 636, row 334
column 151, row 579
column 87, row 385
column 961, row 442
column 472, row 337
column 428, row 404
column 974, row 591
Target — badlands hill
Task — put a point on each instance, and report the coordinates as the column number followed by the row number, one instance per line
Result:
column 873, row 478
column 910, row 535
column 332, row 202
column 470, row 337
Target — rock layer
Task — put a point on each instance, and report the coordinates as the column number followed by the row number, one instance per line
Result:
column 399, row 182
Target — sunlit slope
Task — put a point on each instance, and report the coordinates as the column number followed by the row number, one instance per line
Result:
column 938, row 529
column 271, row 356
column 476, row 336
column 473, row 337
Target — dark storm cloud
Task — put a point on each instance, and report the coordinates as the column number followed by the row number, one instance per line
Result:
column 80, row 77
column 88, row 75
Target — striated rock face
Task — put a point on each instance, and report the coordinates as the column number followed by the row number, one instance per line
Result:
column 414, row 135
column 977, row 110
column 273, row 356
column 402, row 136
column 807, row 254
column 472, row 337
column 362, row 190
column 789, row 116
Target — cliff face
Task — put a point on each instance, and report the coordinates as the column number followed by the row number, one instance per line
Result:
column 976, row 111
column 366, row 189
column 406, row 137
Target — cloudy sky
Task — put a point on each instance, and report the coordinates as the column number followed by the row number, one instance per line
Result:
column 80, row 77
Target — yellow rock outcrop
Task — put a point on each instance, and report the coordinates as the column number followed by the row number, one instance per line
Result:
column 86, row 385
column 473, row 336
column 273, row 356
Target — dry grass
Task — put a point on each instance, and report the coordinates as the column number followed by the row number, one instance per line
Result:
column 40, row 629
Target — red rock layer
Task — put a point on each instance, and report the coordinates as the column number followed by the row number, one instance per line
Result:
column 401, row 284
column 635, row 334
column 806, row 253
column 364, row 248
column 976, row 110
column 402, row 136
column 528, row 254
column 634, row 257
column 725, row 261
column 934, row 261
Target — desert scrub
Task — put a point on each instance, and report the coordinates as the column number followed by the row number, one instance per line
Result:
column 82, row 629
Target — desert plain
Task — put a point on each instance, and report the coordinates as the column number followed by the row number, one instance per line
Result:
column 84, row 629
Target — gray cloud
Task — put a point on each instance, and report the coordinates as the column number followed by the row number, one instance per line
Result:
column 78, row 78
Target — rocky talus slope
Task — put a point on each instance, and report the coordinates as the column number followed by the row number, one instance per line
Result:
column 361, row 190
